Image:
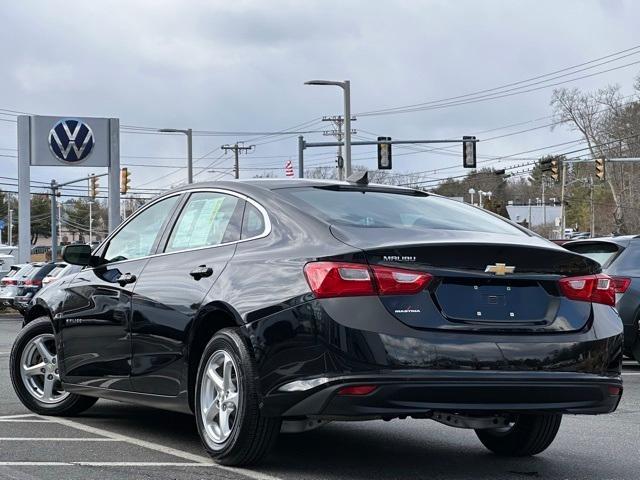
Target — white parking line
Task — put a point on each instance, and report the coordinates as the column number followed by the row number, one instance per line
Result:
column 56, row 439
column 22, row 415
column 195, row 460
column 22, row 420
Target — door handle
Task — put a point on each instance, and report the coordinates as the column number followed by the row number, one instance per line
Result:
column 201, row 272
column 126, row 278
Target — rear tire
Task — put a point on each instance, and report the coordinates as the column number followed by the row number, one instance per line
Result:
column 529, row 435
column 231, row 428
column 34, row 373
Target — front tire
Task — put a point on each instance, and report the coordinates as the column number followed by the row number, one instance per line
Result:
column 232, row 430
column 529, row 435
column 34, row 373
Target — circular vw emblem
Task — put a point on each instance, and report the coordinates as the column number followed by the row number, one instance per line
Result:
column 71, row 140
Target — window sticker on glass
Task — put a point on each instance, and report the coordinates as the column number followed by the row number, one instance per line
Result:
column 203, row 221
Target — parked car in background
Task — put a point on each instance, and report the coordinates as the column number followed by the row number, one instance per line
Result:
column 6, row 261
column 29, row 284
column 60, row 270
column 9, row 283
column 620, row 258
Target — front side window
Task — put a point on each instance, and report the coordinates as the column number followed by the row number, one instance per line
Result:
column 136, row 238
column 206, row 220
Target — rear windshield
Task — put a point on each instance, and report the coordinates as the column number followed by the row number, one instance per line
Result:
column 383, row 209
column 24, row 271
column 603, row 252
column 12, row 272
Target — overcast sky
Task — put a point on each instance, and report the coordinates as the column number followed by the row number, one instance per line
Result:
column 240, row 66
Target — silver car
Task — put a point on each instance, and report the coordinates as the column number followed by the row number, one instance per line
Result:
column 60, row 270
column 9, row 283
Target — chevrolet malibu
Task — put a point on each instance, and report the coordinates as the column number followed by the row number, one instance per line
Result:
column 281, row 305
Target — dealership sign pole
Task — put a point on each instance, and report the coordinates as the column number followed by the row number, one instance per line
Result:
column 66, row 142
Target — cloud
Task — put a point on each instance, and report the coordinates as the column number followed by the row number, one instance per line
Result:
column 220, row 65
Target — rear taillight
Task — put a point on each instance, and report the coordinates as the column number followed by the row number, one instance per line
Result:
column 342, row 279
column 33, row 283
column 589, row 288
column 621, row 284
column 8, row 281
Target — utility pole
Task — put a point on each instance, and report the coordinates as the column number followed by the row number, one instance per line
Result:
column 593, row 218
column 54, row 218
column 563, row 223
column 236, row 151
column 338, row 122
column 60, row 221
column 90, row 221
column 544, row 204
column 10, row 242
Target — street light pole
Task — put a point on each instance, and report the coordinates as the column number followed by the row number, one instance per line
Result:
column 189, row 133
column 346, row 89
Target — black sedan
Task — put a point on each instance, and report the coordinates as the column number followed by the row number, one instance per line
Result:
column 620, row 259
column 272, row 305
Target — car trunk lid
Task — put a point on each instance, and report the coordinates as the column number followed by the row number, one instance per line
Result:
column 481, row 281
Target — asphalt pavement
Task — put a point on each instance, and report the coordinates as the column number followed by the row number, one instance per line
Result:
column 118, row 441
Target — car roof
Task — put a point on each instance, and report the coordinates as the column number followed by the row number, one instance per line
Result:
column 255, row 185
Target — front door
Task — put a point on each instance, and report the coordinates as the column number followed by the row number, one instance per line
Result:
column 95, row 320
column 173, row 285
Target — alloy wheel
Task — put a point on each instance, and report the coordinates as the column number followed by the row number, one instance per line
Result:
column 219, row 398
column 39, row 370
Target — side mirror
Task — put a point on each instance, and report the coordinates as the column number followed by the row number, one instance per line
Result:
column 77, row 255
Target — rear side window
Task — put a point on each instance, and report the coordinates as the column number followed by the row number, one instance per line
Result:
column 252, row 222
column 383, row 209
column 206, row 220
column 602, row 252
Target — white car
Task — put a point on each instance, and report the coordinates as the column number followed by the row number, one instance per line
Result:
column 9, row 283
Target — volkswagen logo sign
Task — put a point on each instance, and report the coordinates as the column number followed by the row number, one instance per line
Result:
column 71, row 140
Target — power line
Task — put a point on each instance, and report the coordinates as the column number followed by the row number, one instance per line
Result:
column 450, row 101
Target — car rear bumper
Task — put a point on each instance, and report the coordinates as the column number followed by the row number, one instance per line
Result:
column 419, row 393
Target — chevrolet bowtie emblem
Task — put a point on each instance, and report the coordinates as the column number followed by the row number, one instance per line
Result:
column 499, row 269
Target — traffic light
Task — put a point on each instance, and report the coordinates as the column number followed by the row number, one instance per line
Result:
column 600, row 172
column 545, row 164
column 384, row 153
column 554, row 169
column 94, row 186
column 125, row 180
column 469, row 152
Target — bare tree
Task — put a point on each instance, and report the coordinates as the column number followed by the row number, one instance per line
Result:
column 609, row 126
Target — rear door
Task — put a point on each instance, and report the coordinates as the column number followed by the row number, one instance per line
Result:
column 95, row 321
column 173, row 285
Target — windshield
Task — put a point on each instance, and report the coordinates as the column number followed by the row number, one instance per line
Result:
column 383, row 209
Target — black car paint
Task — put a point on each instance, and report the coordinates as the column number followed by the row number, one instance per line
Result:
column 261, row 289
